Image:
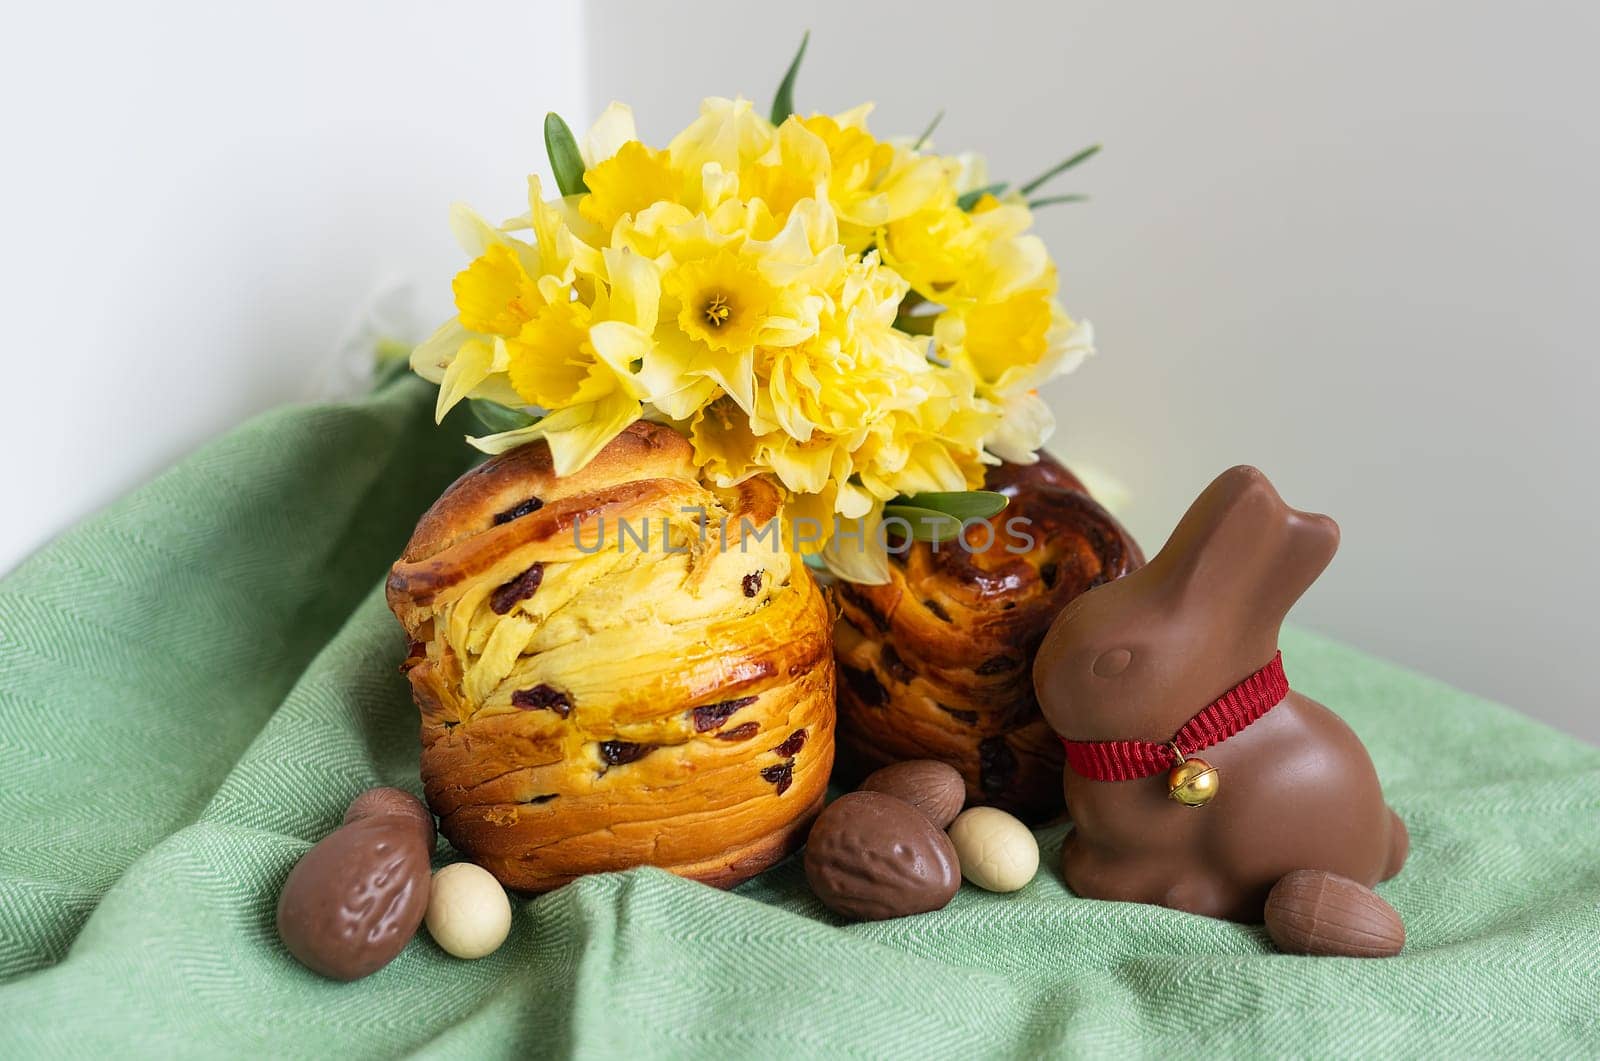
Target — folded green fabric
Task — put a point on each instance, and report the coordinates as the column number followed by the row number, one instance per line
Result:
column 195, row 683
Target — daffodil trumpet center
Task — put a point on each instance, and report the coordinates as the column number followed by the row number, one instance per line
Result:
column 717, row 310
column 724, row 300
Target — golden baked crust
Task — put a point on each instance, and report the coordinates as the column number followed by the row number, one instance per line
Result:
column 588, row 707
column 938, row 663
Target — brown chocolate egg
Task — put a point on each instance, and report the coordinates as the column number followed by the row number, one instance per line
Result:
column 934, row 788
column 872, row 857
column 1312, row 911
column 355, row 899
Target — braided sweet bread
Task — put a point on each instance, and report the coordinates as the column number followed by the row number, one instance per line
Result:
column 596, row 697
column 937, row 664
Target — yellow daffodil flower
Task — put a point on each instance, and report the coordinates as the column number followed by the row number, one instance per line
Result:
column 723, row 301
column 728, row 134
column 870, row 183
column 804, row 301
column 629, row 181
column 495, row 294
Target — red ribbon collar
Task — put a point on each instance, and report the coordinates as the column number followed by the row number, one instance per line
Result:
column 1127, row 760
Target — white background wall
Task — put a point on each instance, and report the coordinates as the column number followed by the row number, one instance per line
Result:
column 202, row 200
column 1353, row 243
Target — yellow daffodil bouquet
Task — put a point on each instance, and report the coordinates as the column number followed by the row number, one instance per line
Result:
column 866, row 321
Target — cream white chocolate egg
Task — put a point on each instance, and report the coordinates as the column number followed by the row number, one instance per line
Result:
column 997, row 851
column 468, row 912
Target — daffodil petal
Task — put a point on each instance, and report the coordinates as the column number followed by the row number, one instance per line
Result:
column 1018, row 264
column 635, row 288
column 1026, row 425
column 472, row 363
column 855, row 117
column 717, row 186
column 621, row 347
column 856, row 552
column 432, row 357
column 666, row 378
column 739, row 381
column 472, row 232
column 853, row 502
column 1078, row 345
column 575, row 434
column 505, row 440
column 609, row 132
column 683, row 402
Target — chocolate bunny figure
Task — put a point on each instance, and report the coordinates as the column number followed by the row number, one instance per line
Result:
column 1175, row 667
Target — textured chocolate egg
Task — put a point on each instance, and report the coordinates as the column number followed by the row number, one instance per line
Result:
column 872, row 857
column 1312, row 911
column 355, row 899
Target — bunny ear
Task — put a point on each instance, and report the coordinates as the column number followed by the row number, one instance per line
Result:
column 1242, row 553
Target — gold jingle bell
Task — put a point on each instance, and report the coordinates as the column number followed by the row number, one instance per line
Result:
column 1193, row 782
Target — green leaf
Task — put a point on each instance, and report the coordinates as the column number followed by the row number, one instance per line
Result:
column 1061, row 167
column 926, row 524
column 783, row 101
column 565, row 161
column 962, row 504
column 970, row 199
column 1051, row 200
column 937, row 118
column 497, row 417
